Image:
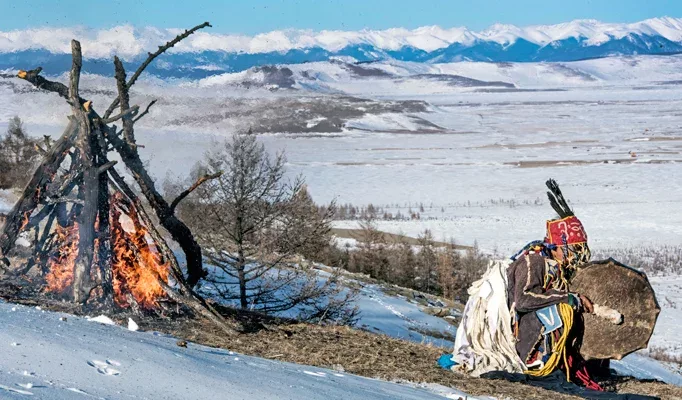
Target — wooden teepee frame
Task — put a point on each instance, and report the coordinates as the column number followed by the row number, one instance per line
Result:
column 87, row 140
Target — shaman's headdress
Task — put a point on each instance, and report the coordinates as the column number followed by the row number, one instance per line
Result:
column 566, row 232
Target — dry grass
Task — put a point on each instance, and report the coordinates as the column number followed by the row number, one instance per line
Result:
column 665, row 355
column 376, row 356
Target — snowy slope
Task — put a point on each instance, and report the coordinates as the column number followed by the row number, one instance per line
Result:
column 78, row 359
column 399, row 317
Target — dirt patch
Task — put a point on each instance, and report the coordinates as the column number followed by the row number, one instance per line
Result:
column 564, row 163
column 533, row 145
column 391, row 238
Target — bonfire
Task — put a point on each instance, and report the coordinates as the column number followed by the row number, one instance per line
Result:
column 91, row 240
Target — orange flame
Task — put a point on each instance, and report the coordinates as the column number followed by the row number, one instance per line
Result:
column 61, row 263
column 137, row 264
column 25, row 220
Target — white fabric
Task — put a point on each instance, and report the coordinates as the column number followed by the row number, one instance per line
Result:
column 485, row 341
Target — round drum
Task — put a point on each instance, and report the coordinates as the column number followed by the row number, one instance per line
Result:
column 612, row 284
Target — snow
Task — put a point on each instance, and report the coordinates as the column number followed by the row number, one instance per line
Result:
column 102, row 319
column 398, row 317
column 79, row 359
column 132, row 325
column 667, row 336
column 380, row 312
column 128, row 41
column 644, row 367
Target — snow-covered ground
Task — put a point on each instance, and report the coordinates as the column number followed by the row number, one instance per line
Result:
column 400, row 317
column 50, row 358
column 667, row 333
column 609, row 130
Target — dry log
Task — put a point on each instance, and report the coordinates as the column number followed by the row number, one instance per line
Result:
column 88, row 189
column 33, row 77
column 132, row 111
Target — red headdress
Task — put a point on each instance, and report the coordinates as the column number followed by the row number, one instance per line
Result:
column 567, row 230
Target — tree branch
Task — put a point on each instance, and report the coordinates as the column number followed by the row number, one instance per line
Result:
column 198, row 183
column 151, row 58
column 129, row 112
column 105, row 167
column 76, row 64
column 33, row 77
column 124, row 101
column 145, row 112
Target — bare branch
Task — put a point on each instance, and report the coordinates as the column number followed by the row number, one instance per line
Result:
column 129, row 112
column 105, row 167
column 33, row 77
column 76, row 64
column 151, row 58
column 124, row 100
column 145, row 112
column 196, row 184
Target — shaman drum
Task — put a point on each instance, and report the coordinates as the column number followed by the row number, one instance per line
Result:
column 612, row 284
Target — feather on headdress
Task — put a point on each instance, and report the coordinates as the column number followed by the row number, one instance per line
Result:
column 557, row 200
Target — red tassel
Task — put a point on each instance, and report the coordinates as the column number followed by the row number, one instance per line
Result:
column 581, row 374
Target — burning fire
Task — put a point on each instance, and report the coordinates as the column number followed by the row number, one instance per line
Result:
column 61, row 263
column 136, row 263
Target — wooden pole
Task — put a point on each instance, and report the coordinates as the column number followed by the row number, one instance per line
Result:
column 88, row 190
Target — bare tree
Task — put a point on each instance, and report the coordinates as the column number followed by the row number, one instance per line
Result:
column 18, row 155
column 426, row 262
column 254, row 225
column 458, row 269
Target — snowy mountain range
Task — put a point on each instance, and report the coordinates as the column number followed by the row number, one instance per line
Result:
column 205, row 54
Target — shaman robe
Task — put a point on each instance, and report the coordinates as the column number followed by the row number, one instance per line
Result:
column 526, row 293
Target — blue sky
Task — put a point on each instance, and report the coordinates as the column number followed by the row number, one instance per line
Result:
column 254, row 16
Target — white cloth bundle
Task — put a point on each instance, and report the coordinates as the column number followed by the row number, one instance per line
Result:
column 485, row 341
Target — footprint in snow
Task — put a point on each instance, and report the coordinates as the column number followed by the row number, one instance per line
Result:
column 320, row 374
column 105, row 367
column 18, row 391
column 76, row 390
